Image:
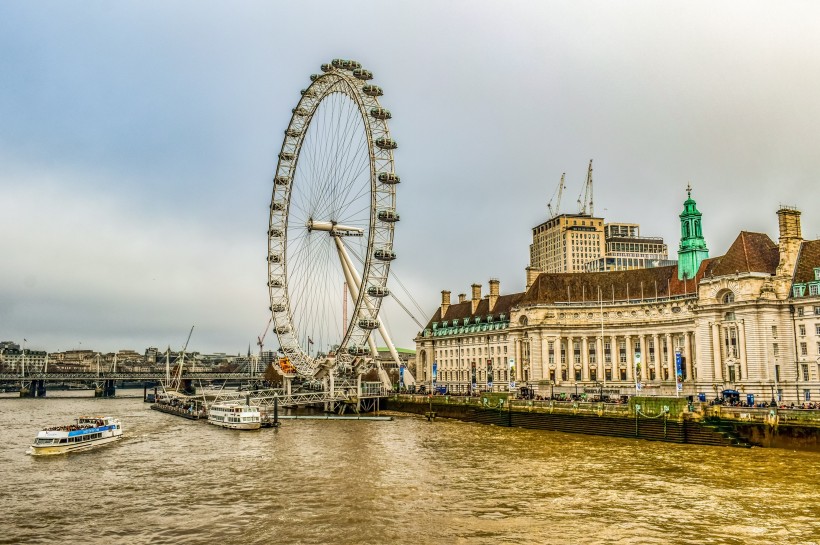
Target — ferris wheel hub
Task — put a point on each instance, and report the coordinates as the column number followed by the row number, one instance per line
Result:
column 334, row 228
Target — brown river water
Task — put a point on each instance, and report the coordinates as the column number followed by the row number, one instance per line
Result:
column 406, row 481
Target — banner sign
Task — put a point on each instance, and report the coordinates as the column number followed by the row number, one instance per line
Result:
column 401, row 376
column 678, row 371
column 435, row 369
column 472, row 376
column 489, row 374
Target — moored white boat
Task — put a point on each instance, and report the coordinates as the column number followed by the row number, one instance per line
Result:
column 86, row 432
column 236, row 416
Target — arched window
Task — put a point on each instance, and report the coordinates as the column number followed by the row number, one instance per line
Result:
column 686, row 230
column 728, row 297
column 522, row 320
column 697, row 228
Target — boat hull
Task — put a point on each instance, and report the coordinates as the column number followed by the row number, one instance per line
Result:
column 237, row 425
column 49, row 450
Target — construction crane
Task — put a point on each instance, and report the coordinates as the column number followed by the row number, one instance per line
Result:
column 560, row 192
column 260, row 341
column 585, row 205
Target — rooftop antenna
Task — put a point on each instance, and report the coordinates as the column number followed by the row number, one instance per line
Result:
column 561, row 187
column 585, row 206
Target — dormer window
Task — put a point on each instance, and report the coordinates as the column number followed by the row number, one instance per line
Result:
column 798, row 290
column 814, row 289
column 817, row 273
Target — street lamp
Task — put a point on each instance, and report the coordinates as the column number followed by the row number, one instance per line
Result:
column 600, row 390
column 773, row 403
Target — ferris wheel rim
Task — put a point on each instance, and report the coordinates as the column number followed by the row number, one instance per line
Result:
column 379, row 248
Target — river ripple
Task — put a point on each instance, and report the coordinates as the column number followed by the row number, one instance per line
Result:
column 407, row 481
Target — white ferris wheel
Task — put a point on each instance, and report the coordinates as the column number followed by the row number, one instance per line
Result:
column 332, row 218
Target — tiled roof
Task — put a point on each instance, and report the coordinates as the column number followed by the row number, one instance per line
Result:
column 635, row 284
column 807, row 261
column 750, row 252
column 459, row 311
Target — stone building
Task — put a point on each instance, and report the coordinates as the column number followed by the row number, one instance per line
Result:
column 702, row 326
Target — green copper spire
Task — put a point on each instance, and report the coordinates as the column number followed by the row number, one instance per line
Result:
column 692, row 249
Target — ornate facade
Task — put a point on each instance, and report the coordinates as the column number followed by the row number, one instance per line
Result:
column 747, row 321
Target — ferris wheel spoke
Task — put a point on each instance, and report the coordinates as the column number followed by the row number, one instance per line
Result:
column 343, row 134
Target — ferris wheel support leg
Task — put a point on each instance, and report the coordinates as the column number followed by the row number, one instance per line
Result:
column 358, row 392
column 354, row 284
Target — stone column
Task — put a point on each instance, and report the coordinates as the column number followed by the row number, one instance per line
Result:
column 644, row 359
column 570, row 358
column 630, row 358
column 518, row 363
column 670, row 356
column 545, row 357
column 584, row 358
column 741, row 340
column 557, row 348
column 656, row 341
column 613, row 346
column 718, row 364
column 687, row 353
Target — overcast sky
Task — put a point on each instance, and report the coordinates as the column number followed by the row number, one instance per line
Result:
column 138, row 141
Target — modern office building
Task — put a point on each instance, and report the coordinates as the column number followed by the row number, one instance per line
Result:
column 626, row 249
column 566, row 243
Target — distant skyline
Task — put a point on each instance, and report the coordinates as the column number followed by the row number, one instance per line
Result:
column 138, row 141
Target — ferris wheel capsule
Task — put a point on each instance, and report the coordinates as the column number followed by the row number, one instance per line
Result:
column 386, row 143
column 388, row 178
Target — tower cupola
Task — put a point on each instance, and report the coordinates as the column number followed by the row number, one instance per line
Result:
column 692, row 250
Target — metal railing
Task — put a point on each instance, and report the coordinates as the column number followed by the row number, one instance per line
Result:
column 765, row 414
column 491, row 402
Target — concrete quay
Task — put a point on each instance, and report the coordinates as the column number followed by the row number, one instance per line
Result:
column 651, row 418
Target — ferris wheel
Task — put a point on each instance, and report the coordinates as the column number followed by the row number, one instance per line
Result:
column 332, row 219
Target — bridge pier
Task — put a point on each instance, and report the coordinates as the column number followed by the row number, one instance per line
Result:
column 27, row 389
column 188, row 387
column 106, row 389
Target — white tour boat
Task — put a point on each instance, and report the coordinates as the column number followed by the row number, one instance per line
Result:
column 236, row 416
column 86, row 432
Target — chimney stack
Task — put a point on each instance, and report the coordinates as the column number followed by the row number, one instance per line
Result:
column 462, row 297
column 445, row 302
column 532, row 274
column 476, row 296
column 494, row 285
column 790, row 239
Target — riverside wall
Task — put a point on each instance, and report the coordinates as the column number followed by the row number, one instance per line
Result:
column 651, row 418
